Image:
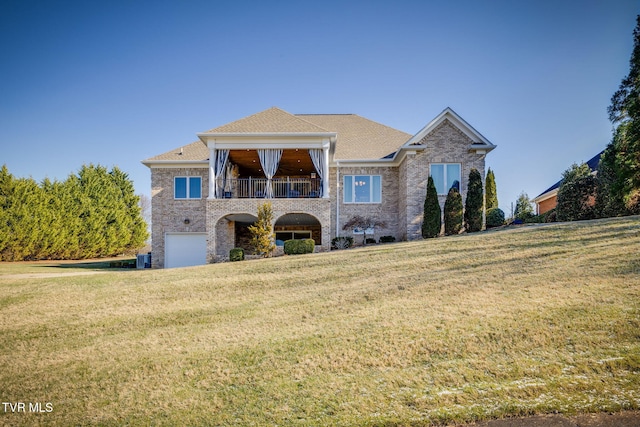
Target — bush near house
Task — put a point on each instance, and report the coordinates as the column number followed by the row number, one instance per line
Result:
column 236, row 254
column 342, row 242
column 453, row 212
column 263, row 237
column 299, row 246
column 387, row 239
column 495, row 217
column 432, row 217
column 474, row 204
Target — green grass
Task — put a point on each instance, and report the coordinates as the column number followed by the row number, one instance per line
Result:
column 537, row 319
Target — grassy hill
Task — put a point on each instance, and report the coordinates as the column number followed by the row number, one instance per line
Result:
column 513, row 322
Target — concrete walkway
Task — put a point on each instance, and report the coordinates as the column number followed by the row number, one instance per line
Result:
column 618, row 419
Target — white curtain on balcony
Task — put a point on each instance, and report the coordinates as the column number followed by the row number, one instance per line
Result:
column 219, row 172
column 317, row 157
column 269, row 159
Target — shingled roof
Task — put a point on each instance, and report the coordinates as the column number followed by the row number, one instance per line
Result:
column 358, row 138
column 273, row 120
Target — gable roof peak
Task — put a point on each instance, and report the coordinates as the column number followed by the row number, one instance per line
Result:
column 478, row 140
column 272, row 120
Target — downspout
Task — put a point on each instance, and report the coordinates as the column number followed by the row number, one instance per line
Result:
column 338, row 199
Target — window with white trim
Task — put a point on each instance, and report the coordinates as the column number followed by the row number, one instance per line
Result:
column 362, row 188
column 445, row 176
column 187, row 187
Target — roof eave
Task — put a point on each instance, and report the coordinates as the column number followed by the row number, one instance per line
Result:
column 244, row 135
column 546, row 195
column 176, row 163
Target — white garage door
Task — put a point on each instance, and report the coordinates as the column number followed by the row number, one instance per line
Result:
column 185, row 249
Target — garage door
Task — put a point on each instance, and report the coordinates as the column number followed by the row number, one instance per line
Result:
column 185, row 249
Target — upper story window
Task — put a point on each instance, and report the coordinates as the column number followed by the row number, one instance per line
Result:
column 362, row 189
column 187, row 187
column 445, row 176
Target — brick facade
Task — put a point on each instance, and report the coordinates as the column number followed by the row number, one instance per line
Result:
column 169, row 215
column 221, row 227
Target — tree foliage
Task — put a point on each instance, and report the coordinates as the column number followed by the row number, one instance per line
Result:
column 491, row 192
column 524, row 207
column 432, row 218
column 263, row 237
column 576, row 195
column 474, row 203
column 453, row 215
column 622, row 156
column 93, row 213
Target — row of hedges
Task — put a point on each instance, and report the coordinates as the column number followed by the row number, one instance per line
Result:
column 345, row 242
column 291, row 247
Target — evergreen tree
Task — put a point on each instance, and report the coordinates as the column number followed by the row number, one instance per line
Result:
column 609, row 196
column 6, row 196
column 524, row 208
column 262, row 233
column 474, row 203
column 135, row 227
column 491, row 191
column 432, row 219
column 625, row 146
column 576, row 195
column 453, row 212
column 92, row 214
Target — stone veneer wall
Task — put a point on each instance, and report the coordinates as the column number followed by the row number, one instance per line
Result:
column 221, row 233
column 446, row 144
column 386, row 211
column 168, row 214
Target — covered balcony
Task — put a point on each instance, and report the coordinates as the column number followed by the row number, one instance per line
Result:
column 268, row 173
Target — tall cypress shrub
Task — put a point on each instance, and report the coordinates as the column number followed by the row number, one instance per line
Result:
column 453, row 212
column 432, row 219
column 491, row 192
column 474, row 204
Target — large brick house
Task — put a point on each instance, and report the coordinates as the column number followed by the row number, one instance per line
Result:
column 317, row 170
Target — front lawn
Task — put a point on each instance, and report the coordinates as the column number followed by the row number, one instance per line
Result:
column 536, row 319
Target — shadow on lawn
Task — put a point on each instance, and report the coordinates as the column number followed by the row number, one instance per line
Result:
column 106, row 264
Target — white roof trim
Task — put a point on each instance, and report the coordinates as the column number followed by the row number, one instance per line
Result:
column 174, row 163
column 204, row 137
column 544, row 196
column 479, row 141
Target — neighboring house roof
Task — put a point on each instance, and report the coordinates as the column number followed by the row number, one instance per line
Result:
column 553, row 190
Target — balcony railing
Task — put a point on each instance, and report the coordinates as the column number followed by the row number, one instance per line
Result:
column 281, row 188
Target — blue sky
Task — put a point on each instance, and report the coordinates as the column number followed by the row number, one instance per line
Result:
column 116, row 82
